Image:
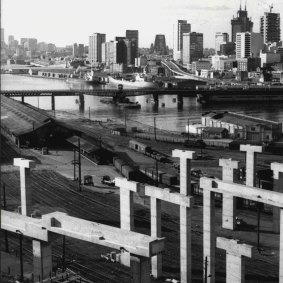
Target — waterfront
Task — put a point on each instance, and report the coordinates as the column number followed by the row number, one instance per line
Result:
column 168, row 117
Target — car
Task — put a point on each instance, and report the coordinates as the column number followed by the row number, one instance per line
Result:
column 107, row 181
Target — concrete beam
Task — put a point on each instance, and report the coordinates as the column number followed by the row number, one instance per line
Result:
column 166, row 195
column 185, row 169
column 25, row 184
column 242, row 191
column 235, row 268
column 128, row 185
column 30, row 227
column 277, row 187
column 228, row 202
column 251, row 151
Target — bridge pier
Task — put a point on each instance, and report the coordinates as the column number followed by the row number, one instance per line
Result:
column 53, row 102
column 23, row 98
column 155, row 98
column 81, row 102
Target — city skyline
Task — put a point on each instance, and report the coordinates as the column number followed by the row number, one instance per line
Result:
column 64, row 23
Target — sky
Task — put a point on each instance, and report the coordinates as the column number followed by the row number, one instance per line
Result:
column 65, row 22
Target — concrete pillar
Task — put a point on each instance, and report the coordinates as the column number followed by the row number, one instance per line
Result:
column 53, row 102
column 277, row 187
column 209, row 241
column 185, row 214
column 235, row 268
column 26, row 189
column 185, row 169
column 250, row 162
column 42, row 260
column 155, row 98
column 127, row 189
column 228, row 202
column 140, row 269
column 155, row 220
column 23, row 98
column 281, row 248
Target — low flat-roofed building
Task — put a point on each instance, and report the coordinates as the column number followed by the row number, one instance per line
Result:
column 215, row 133
column 242, row 126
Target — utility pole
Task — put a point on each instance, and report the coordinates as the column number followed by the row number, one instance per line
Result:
column 63, row 253
column 21, row 254
column 80, row 168
column 5, row 206
column 205, row 270
column 154, row 125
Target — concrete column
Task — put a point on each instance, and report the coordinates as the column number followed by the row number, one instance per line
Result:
column 250, row 162
column 229, row 203
column 235, row 268
column 23, row 98
column 155, row 98
column 281, row 248
column 185, row 169
column 155, row 220
column 209, row 241
column 140, row 269
column 185, row 214
column 127, row 189
column 26, row 189
column 42, row 260
column 277, row 187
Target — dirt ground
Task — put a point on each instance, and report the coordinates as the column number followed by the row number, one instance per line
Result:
column 54, row 189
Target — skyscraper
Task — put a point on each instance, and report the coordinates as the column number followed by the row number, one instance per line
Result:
column 243, row 45
column 183, row 27
column 94, row 51
column 220, row 38
column 160, row 44
column 241, row 24
column 133, row 35
column 192, row 47
column 270, row 27
column 75, row 50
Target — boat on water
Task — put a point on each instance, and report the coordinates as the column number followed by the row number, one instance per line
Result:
column 123, row 103
column 89, row 78
column 136, row 81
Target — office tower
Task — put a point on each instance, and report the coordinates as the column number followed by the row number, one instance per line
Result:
column 256, row 44
column 133, row 35
column 160, row 44
column 192, row 47
column 81, row 50
column 183, row 27
column 94, row 51
column 241, row 24
column 51, row 47
column 11, row 40
column 2, row 35
column 23, row 40
column 75, row 50
column 270, row 27
column 121, row 50
column 109, row 52
column 243, row 45
column 220, row 38
column 227, row 48
column 42, row 46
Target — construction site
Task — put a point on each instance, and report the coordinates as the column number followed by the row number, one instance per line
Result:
column 63, row 221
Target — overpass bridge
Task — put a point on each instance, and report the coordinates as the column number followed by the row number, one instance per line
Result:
column 179, row 73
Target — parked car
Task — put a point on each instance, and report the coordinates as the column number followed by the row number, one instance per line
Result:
column 107, row 181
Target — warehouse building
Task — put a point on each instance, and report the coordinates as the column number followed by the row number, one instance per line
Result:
column 244, row 127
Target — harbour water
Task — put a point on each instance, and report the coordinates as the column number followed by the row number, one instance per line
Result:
column 169, row 117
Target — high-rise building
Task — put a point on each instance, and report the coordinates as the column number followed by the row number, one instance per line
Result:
column 42, row 46
column 94, row 49
column 227, row 48
column 256, row 44
column 75, row 50
column 51, row 47
column 23, row 40
column 2, row 35
column 109, row 52
column 220, row 38
column 270, row 27
column 81, row 50
column 121, row 50
column 241, row 24
column 192, row 47
column 11, row 40
column 133, row 35
column 243, row 45
column 160, row 44
column 183, row 27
